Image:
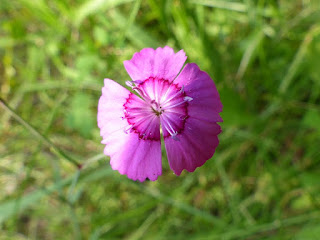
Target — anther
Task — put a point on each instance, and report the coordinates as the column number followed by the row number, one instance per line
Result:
column 187, row 99
column 141, row 93
column 129, row 84
column 174, row 136
column 136, row 82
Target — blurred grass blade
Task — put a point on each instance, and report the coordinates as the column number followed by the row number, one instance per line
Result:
column 298, row 58
column 235, row 111
column 309, row 232
column 79, row 118
column 187, row 208
column 233, row 6
column 263, row 228
column 233, row 204
column 311, row 119
column 7, row 42
column 130, row 21
column 12, row 207
column 96, row 158
column 138, row 234
column 305, row 13
column 43, row 12
column 249, row 54
column 136, row 35
column 55, row 84
column 74, row 182
column 92, row 6
column 35, row 132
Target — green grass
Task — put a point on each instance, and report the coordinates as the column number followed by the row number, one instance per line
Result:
column 262, row 183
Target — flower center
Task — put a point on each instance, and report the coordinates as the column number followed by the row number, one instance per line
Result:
column 159, row 101
column 156, row 108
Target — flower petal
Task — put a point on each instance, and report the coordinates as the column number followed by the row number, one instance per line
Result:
column 195, row 145
column 198, row 85
column 137, row 158
column 198, row 140
column 141, row 118
column 161, row 63
column 110, row 107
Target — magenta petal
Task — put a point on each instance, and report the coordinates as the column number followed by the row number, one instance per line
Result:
column 110, row 108
column 198, row 140
column 195, row 145
column 168, row 64
column 161, row 63
column 140, row 67
column 137, row 158
column 198, row 85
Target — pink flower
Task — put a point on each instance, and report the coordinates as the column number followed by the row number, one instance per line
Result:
column 185, row 105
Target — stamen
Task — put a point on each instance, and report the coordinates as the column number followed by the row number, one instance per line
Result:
column 137, row 82
column 134, row 86
column 140, row 121
column 174, row 137
column 147, row 130
column 171, row 131
column 160, row 99
column 185, row 99
column 172, row 97
column 142, row 136
column 141, row 93
column 188, row 99
column 156, row 107
column 171, row 127
column 129, row 84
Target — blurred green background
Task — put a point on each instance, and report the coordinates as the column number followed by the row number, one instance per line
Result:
column 262, row 183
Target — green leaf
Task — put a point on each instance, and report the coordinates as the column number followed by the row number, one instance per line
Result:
column 310, row 179
column 12, row 207
column 313, row 60
column 87, row 65
column 228, row 5
column 80, row 117
column 302, row 202
column 311, row 119
column 234, row 109
column 93, row 6
column 15, row 206
column 310, row 232
column 101, row 36
column 137, row 35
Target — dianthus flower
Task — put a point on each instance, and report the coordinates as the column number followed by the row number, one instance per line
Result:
column 185, row 105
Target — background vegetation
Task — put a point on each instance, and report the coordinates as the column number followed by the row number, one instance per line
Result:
column 262, row 183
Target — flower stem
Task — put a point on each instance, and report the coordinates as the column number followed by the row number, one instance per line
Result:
column 53, row 148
